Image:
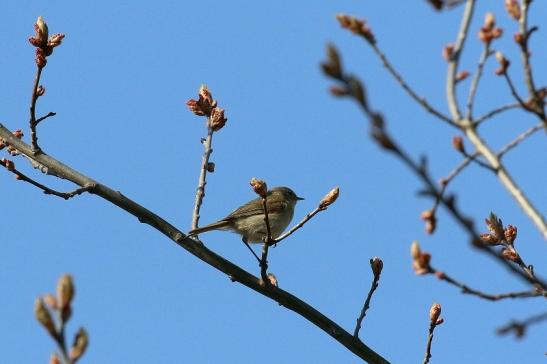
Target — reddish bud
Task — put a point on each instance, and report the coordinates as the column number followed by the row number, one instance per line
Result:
column 194, row 107
column 513, row 9
column 9, row 165
column 40, row 90
column 376, row 264
column 333, row 66
column 448, row 51
column 81, row 340
column 356, row 26
column 339, row 91
column 489, row 21
column 41, row 29
column 65, row 290
column 434, row 312
column 54, row 359
column 50, row 301
column 457, row 143
column 329, row 198
column 259, row 186
column 43, row 316
column 217, row 119
column 511, row 255
column 504, row 64
column 18, row 133
column 489, row 239
column 510, row 234
column 55, row 40
column 462, row 75
column 519, row 38
column 40, row 58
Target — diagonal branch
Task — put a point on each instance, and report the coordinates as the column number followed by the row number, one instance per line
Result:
column 48, row 191
column 475, row 83
column 419, row 99
column 197, row 249
column 495, row 112
column 474, row 292
column 519, row 139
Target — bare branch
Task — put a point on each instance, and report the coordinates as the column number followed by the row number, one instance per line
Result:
column 454, row 60
column 48, row 115
column 434, row 321
column 520, row 327
column 495, row 112
column 48, row 191
column 33, row 122
column 490, row 297
column 519, row 139
column 376, row 265
column 197, row 249
column 476, row 78
column 200, row 193
column 419, row 99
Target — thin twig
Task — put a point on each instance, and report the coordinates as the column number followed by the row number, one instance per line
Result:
column 494, row 112
column 297, row 226
column 33, row 122
column 60, row 338
column 520, row 327
column 519, row 139
column 366, row 306
column 200, row 193
column 476, row 78
column 48, row 191
column 419, row 99
column 432, row 326
column 514, row 91
column 491, row 297
column 525, row 56
column 266, row 245
column 455, row 59
column 473, row 158
column 48, row 115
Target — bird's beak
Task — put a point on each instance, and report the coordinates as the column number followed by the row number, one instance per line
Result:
column 300, row 198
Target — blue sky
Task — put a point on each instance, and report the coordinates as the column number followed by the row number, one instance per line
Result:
column 119, row 83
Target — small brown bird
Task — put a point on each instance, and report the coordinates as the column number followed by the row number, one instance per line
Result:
column 248, row 220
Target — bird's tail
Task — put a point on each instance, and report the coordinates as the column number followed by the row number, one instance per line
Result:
column 219, row 225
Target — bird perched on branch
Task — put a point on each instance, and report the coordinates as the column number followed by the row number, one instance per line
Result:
column 248, row 220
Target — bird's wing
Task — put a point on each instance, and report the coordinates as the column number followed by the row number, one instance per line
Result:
column 244, row 211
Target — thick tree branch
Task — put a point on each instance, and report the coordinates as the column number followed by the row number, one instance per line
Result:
column 199, row 250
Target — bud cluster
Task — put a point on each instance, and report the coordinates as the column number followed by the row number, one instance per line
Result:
column 489, row 31
column 430, row 221
column 420, row 259
column 513, row 9
column 356, row 26
column 60, row 304
column 43, row 42
column 504, row 64
column 259, row 186
column 205, row 105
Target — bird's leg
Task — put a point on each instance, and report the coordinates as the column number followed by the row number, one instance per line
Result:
column 252, row 251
